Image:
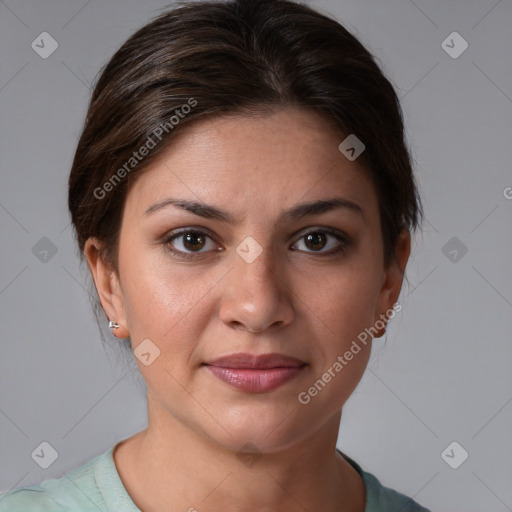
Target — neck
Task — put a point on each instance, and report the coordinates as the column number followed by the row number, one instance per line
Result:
column 169, row 466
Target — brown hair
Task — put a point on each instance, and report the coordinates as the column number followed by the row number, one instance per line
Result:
column 208, row 58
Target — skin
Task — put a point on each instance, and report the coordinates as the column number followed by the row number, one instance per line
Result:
column 293, row 302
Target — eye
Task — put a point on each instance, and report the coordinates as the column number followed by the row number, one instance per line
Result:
column 192, row 243
column 318, row 239
column 188, row 243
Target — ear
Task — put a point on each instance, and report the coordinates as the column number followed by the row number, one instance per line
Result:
column 108, row 287
column 392, row 278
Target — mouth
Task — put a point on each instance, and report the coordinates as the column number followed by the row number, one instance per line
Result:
column 255, row 373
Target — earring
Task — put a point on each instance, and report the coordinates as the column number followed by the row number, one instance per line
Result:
column 113, row 325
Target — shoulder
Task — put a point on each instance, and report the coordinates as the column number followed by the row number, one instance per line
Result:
column 32, row 498
column 75, row 491
column 380, row 497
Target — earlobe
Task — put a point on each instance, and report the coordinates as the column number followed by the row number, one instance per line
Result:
column 108, row 287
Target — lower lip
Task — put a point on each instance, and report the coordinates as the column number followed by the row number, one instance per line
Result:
column 255, row 381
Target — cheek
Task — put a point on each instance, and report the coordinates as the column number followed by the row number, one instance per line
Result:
column 341, row 310
column 342, row 351
column 342, row 302
column 166, row 303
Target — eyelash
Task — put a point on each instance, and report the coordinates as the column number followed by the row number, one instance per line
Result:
column 343, row 239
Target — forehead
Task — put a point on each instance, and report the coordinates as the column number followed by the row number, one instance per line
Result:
column 258, row 162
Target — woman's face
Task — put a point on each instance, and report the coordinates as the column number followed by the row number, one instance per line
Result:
column 266, row 281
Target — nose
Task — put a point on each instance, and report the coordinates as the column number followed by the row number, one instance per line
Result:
column 257, row 295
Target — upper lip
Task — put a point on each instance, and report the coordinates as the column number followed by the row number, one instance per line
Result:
column 256, row 362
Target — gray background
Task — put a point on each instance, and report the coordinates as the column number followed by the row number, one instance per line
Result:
column 444, row 373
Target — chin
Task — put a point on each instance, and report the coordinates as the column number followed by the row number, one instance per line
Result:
column 260, row 431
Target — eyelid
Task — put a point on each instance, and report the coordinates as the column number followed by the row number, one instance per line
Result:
column 296, row 236
column 326, row 229
column 178, row 254
column 187, row 229
column 343, row 241
column 171, row 235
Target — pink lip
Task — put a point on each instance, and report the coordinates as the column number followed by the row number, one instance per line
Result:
column 255, row 374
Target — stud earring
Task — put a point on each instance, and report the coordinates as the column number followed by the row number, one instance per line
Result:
column 113, row 325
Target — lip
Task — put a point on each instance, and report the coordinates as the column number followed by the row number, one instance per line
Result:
column 256, row 362
column 255, row 373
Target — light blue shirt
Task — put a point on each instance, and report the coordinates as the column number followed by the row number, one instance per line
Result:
column 96, row 486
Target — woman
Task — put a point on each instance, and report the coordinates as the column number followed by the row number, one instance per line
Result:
column 243, row 196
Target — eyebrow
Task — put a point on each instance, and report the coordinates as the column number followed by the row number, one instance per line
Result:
column 295, row 213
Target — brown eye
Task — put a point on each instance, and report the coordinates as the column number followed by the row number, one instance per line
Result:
column 190, row 243
column 193, row 241
column 316, row 241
